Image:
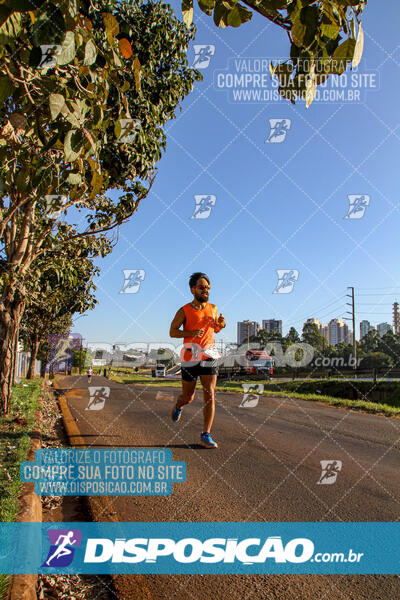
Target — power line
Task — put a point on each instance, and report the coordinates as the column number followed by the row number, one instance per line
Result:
column 324, row 316
column 372, row 313
column 329, row 313
column 374, row 304
column 339, row 299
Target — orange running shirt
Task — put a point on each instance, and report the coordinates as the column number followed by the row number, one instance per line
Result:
column 199, row 319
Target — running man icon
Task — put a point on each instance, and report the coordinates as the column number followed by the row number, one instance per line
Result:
column 286, row 280
column 357, row 206
column 278, row 130
column 203, row 55
column 98, row 396
column 132, row 280
column 330, row 470
column 62, row 549
column 204, row 205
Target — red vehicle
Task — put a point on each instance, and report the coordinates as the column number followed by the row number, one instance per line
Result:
column 259, row 363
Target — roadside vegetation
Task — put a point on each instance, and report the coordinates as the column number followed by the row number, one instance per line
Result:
column 352, row 395
column 14, row 446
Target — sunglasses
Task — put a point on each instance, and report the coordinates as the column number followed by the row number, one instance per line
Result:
column 203, row 287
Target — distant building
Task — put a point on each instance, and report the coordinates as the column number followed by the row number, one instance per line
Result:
column 245, row 329
column 272, row 325
column 383, row 328
column 325, row 332
column 349, row 337
column 323, row 329
column 365, row 327
column 338, row 331
column 99, row 358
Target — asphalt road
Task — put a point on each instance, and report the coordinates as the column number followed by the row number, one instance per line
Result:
column 266, row 469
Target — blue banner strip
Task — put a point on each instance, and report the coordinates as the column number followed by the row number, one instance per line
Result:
column 200, row 548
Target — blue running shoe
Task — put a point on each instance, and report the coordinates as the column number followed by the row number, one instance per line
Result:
column 176, row 414
column 207, row 441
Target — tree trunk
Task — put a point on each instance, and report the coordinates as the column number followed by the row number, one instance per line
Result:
column 34, row 353
column 10, row 317
column 44, row 364
column 15, row 352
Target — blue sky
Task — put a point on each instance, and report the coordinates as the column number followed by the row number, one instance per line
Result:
column 277, row 205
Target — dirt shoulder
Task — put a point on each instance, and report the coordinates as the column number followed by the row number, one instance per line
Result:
column 66, row 509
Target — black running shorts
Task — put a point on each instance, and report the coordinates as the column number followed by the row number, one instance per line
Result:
column 190, row 371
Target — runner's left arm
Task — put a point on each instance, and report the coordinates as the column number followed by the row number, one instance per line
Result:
column 219, row 322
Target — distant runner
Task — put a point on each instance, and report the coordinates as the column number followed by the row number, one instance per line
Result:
column 200, row 320
column 89, row 374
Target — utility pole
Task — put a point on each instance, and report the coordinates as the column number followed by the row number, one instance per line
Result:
column 396, row 318
column 353, row 318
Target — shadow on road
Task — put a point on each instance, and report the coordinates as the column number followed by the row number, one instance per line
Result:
column 182, row 446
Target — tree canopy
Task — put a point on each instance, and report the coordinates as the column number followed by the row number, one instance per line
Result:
column 63, row 285
column 311, row 335
column 325, row 36
column 89, row 118
column 86, row 88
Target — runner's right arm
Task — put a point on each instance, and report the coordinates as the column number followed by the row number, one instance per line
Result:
column 175, row 330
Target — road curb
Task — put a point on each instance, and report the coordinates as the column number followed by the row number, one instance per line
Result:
column 23, row 587
column 93, row 503
column 71, row 428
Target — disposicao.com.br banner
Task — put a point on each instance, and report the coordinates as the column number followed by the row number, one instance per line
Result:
column 200, row 548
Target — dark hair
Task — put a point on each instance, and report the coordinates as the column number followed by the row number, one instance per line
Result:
column 195, row 277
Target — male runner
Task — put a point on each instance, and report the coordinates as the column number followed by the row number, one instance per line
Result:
column 200, row 320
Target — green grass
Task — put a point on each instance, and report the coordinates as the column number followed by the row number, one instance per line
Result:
column 372, row 407
column 14, row 446
column 4, row 581
column 141, row 379
column 286, row 390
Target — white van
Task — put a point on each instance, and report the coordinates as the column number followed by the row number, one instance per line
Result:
column 160, row 371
